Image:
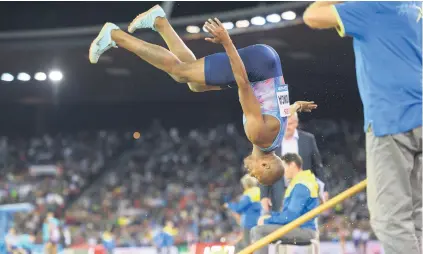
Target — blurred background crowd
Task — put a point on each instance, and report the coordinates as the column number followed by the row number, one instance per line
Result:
column 131, row 184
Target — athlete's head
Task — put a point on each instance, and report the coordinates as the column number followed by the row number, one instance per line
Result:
column 291, row 126
column 267, row 168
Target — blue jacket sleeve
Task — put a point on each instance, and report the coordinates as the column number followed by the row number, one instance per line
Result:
column 242, row 205
column 355, row 18
column 299, row 197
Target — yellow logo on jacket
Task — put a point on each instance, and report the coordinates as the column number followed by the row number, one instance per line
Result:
column 253, row 193
column 306, row 178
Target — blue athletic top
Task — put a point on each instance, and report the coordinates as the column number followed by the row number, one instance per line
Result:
column 264, row 71
column 387, row 40
column 274, row 101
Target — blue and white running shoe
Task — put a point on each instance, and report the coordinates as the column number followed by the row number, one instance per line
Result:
column 146, row 19
column 103, row 42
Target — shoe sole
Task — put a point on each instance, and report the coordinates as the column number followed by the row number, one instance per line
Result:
column 99, row 36
column 140, row 17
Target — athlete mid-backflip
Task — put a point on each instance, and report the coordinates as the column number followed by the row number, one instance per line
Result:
column 262, row 91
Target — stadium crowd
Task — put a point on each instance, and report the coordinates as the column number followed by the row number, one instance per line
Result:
column 131, row 188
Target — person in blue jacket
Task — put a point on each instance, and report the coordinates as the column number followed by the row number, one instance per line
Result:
column 11, row 239
column 26, row 243
column 108, row 241
column 387, row 42
column 163, row 241
column 249, row 207
column 301, row 196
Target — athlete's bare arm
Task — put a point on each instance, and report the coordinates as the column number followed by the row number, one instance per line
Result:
column 249, row 103
column 302, row 106
column 321, row 15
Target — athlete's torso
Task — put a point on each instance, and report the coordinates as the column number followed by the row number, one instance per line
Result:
column 274, row 101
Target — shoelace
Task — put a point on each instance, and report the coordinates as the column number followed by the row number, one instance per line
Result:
column 112, row 44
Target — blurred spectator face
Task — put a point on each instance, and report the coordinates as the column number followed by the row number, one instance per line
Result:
column 290, row 169
column 169, row 224
column 32, row 238
column 12, row 231
column 50, row 215
column 248, row 181
column 291, row 125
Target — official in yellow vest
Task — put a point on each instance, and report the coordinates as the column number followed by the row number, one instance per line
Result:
column 248, row 207
column 301, row 196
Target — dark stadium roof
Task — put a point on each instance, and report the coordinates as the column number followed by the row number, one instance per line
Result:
column 311, row 60
column 318, row 65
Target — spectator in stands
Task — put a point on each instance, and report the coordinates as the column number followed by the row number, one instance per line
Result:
column 294, row 141
column 248, row 207
column 11, row 240
column 108, row 242
column 163, row 241
column 25, row 243
column 180, row 175
column 51, row 233
column 170, row 229
column 301, row 197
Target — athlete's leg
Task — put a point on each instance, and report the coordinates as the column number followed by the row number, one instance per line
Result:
column 179, row 48
column 161, row 58
column 173, row 41
column 155, row 19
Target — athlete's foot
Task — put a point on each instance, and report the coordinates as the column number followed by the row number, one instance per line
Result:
column 147, row 19
column 102, row 42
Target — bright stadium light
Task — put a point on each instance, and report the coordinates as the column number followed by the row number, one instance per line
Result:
column 7, row 77
column 273, row 18
column 228, row 25
column 24, row 76
column 193, row 29
column 40, row 76
column 242, row 23
column 55, row 75
column 258, row 21
column 289, row 15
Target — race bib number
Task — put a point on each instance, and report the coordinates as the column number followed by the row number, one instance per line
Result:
column 283, row 100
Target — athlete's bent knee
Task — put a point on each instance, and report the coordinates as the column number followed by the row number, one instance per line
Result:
column 179, row 79
column 178, row 73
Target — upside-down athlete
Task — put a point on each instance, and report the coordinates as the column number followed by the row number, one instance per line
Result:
column 256, row 70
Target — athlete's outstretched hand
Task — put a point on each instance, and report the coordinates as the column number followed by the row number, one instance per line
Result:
column 306, row 106
column 220, row 34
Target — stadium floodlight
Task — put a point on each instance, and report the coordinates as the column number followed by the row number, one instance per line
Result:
column 193, row 29
column 24, row 76
column 273, row 18
column 258, row 21
column 289, row 15
column 228, row 25
column 136, row 135
column 7, row 77
column 242, row 23
column 40, row 76
column 55, row 75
